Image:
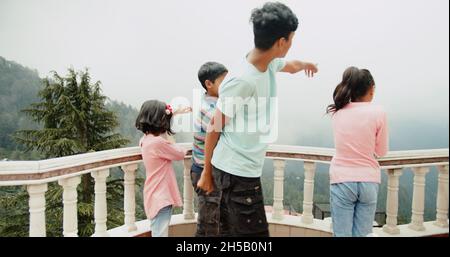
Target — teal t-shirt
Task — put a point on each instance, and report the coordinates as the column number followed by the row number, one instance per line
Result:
column 249, row 100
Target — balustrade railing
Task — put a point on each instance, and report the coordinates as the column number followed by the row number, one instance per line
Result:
column 68, row 170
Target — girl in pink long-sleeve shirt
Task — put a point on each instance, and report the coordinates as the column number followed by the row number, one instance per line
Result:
column 360, row 136
column 161, row 192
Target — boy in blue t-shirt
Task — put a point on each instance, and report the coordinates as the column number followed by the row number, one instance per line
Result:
column 210, row 75
column 233, row 158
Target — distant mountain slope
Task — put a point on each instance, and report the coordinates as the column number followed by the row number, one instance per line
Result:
column 19, row 86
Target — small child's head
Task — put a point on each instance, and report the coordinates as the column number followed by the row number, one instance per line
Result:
column 274, row 26
column 211, row 75
column 357, row 85
column 154, row 118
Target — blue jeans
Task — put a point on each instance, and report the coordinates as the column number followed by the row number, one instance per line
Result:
column 160, row 223
column 353, row 207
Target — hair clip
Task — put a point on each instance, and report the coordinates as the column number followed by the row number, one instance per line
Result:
column 168, row 109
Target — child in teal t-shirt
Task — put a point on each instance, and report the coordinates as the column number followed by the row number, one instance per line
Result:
column 234, row 157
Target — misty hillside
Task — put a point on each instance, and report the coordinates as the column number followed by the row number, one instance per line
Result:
column 18, row 89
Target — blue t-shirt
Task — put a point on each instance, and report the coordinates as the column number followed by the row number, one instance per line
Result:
column 249, row 100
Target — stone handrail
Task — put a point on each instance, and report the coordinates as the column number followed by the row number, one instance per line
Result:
column 44, row 171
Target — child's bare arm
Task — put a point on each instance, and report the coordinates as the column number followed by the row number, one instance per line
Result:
column 206, row 182
column 182, row 110
column 295, row 66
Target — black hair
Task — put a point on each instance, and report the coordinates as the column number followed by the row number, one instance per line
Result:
column 272, row 22
column 210, row 71
column 154, row 119
column 354, row 85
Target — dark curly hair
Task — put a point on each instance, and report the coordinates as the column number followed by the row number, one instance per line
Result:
column 272, row 22
column 153, row 118
column 354, row 85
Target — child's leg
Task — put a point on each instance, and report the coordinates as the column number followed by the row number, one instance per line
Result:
column 208, row 214
column 342, row 200
column 365, row 209
column 160, row 224
column 242, row 206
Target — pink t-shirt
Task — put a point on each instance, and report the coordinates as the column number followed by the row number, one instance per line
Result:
column 360, row 135
column 160, row 188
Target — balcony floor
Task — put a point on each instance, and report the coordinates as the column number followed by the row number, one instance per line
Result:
column 290, row 226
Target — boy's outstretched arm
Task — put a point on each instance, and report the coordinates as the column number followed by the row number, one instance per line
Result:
column 219, row 120
column 295, row 66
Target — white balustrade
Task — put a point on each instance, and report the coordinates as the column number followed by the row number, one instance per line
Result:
column 130, row 196
column 308, row 192
column 100, row 209
column 278, row 193
column 36, row 175
column 188, row 191
column 37, row 209
column 418, row 198
column 70, row 210
column 392, row 201
column 442, row 198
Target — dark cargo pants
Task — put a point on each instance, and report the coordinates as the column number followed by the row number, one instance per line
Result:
column 235, row 208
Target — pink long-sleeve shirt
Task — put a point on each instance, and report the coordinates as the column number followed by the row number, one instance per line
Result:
column 160, row 188
column 360, row 135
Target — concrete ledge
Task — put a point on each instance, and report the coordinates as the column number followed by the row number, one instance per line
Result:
column 179, row 227
column 289, row 226
column 405, row 231
column 143, row 227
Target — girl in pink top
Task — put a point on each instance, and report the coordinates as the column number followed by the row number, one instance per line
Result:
column 161, row 192
column 360, row 136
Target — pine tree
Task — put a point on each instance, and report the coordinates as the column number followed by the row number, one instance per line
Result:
column 74, row 120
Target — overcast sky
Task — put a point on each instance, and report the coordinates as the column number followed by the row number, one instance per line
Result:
column 152, row 49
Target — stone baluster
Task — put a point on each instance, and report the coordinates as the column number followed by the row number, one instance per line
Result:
column 278, row 193
column 418, row 198
column 442, row 198
column 70, row 212
column 100, row 211
column 392, row 201
column 129, row 204
column 308, row 192
column 188, row 191
column 37, row 209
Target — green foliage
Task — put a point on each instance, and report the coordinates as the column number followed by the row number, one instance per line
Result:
column 14, row 217
column 74, row 119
